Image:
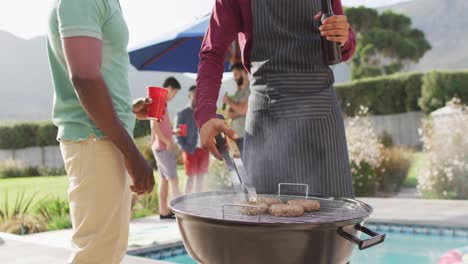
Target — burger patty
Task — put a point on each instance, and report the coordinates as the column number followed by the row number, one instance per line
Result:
column 269, row 201
column 260, row 208
column 286, row 210
column 307, row 205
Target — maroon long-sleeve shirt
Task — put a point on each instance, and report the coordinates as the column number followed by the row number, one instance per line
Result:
column 233, row 18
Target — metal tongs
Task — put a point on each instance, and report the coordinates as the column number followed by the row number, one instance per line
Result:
column 236, row 168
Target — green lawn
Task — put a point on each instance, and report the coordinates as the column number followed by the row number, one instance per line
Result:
column 38, row 186
column 418, row 161
column 44, row 186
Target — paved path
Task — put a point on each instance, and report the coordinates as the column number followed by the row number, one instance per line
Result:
column 419, row 211
column 53, row 247
column 17, row 251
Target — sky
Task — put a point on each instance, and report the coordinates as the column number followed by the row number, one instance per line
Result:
column 147, row 19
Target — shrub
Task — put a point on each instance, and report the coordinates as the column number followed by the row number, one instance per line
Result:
column 391, row 94
column 34, row 134
column 446, row 147
column 393, row 169
column 386, row 139
column 44, row 171
column 14, row 168
column 440, row 87
column 218, row 175
column 59, row 223
column 17, row 220
column 146, row 204
column 144, row 145
column 11, row 168
column 142, row 128
column 47, row 135
column 364, row 153
column 54, row 212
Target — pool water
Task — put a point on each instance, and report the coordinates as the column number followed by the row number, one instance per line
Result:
column 403, row 245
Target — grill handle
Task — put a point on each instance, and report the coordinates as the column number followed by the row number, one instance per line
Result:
column 374, row 239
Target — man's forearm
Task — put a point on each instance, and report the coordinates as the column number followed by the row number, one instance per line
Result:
column 96, row 100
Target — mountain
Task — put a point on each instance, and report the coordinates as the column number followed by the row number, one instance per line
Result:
column 26, row 87
column 444, row 23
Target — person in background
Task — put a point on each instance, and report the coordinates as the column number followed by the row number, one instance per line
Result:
column 196, row 159
column 237, row 104
column 87, row 52
column 162, row 145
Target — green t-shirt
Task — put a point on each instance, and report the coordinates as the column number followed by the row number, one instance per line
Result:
column 100, row 19
column 238, row 124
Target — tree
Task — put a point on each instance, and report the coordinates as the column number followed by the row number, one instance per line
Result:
column 386, row 43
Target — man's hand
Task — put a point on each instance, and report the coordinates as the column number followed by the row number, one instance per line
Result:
column 169, row 145
column 227, row 100
column 140, row 108
column 140, row 172
column 210, row 130
column 335, row 28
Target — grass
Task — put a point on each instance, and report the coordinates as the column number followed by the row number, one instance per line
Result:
column 48, row 186
column 418, row 161
column 42, row 186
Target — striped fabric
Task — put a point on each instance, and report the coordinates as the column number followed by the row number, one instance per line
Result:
column 294, row 128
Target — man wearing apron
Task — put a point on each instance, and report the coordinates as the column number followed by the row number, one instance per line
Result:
column 294, row 128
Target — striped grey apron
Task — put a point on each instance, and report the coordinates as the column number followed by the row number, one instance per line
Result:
column 294, row 128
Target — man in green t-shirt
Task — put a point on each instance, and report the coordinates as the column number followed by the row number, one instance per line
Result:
column 237, row 104
column 87, row 46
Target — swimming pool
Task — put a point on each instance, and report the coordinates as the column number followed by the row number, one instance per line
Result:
column 404, row 244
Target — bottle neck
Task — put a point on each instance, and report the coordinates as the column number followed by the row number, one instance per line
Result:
column 327, row 7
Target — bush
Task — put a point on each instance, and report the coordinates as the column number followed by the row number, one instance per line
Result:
column 54, row 212
column 11, row 168
column 142, row 128
column 364, row 153
column 218, row 175
column 446, row 147
column 440, row 87
column 47, row 135
column 17, row 219
column 391, row 94
column 36, row 134
column 146, row 204
column 44, row 171
column 24, row 135
column 14, row 168
column 386, row 139
column 144, row 145
column 393, row 169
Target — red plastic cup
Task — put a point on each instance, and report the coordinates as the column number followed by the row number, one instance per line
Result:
column 157, row 108
column 183, row 130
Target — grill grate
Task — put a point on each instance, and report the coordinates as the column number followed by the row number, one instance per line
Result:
column 210, row 205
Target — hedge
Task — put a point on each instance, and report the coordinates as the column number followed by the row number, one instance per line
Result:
column 440, row 87
column 33, row 134
column 398, row 93
column 23, row 135
column 393, row 94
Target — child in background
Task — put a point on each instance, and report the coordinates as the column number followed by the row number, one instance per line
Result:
column 196, row 159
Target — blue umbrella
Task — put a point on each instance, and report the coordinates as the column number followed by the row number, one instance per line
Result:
column 175, row 52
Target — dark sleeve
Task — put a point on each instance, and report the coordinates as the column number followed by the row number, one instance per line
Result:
column 348, row 49
column 182, row 141
column 224, row 26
